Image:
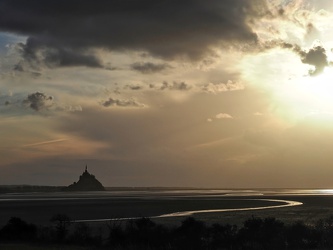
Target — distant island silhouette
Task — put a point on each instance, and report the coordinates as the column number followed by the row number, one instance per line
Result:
column 87, row 182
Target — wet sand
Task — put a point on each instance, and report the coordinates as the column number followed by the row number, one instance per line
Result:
column 39, row 208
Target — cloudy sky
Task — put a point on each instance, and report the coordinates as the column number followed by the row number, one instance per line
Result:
column 230, row 94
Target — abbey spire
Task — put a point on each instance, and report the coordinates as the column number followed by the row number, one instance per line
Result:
column 87, row 182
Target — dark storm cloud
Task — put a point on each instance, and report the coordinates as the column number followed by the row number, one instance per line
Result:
column 315, row 56
column 165, row 28
column 149, row 68
column 122, row 103
column 38, row 101
column 36, row 54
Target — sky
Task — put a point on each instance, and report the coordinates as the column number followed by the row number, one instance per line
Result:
column 169, row 93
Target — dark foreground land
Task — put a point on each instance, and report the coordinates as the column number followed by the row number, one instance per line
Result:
column 38, row 208
column 144, row 234
column 309, row 226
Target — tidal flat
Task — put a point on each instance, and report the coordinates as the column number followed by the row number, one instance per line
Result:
column 98, row 207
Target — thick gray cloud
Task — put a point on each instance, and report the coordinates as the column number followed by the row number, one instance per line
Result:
column 315, row 56
column 38, row 101
column 67, row 30
column 149, row 68
column 36, row 54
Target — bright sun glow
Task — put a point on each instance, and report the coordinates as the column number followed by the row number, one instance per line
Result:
column 293, row 93
column 313, row 93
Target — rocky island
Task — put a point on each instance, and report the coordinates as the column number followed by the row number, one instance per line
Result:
column 87, row 182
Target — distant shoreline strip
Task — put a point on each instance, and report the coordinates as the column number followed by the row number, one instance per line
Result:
column 189, row 213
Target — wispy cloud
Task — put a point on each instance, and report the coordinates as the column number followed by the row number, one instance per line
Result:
column 223, row 116
column 215, row 88
column 149, row 67
column 111, row 102
column 44, row 143
column 175, row 86
column 212, row 144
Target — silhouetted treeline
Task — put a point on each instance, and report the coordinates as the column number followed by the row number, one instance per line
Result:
column 192, row 234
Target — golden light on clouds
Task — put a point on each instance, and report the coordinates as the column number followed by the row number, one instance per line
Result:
column 292, row 91
column 213, row 95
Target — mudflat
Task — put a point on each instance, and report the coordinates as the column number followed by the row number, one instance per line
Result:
column 39, row 208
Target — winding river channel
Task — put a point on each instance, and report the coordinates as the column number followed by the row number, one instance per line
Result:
column 287, row 203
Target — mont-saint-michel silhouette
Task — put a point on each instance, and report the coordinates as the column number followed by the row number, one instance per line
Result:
column 87, row 182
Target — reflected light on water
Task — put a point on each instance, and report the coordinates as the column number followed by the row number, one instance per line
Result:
column 326, row 191
column 286, row 203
